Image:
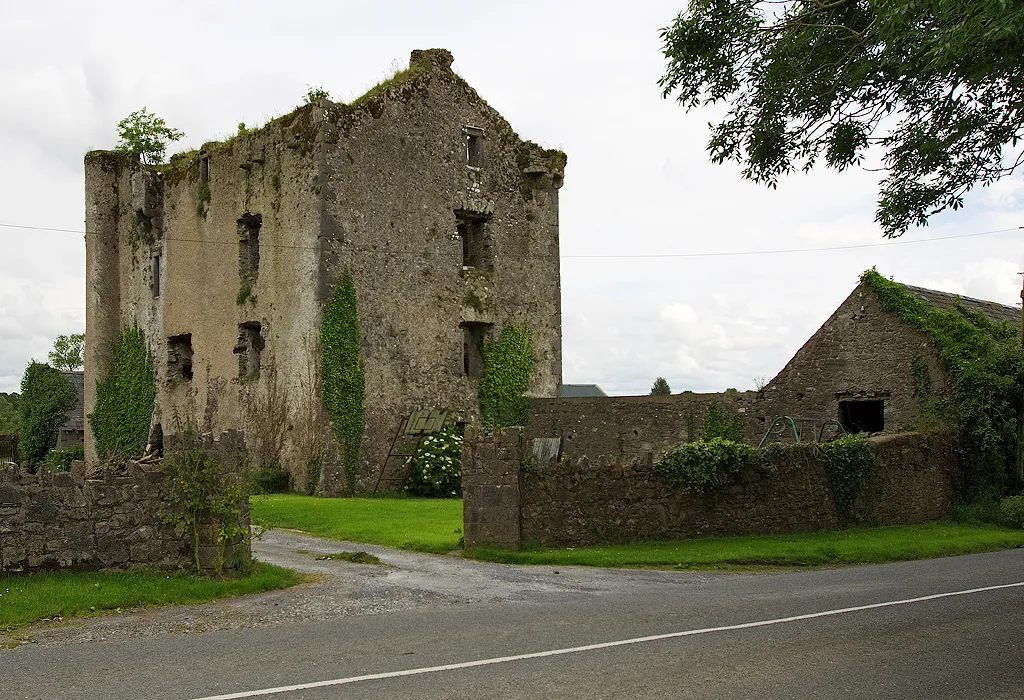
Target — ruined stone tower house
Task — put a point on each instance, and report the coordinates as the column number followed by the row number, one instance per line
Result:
column 419, row 193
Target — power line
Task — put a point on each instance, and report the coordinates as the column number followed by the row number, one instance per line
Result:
column 796, row 250
column 613, row 256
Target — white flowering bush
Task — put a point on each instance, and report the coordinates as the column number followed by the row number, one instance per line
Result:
column 435, row 471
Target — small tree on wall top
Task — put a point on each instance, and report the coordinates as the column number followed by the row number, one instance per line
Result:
column 67, row 353
column 146, row 134
column 660, row 387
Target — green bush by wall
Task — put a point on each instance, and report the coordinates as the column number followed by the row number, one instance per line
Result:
column 125, row 399
column 45, row 398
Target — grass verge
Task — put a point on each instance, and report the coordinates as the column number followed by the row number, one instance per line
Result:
column 26, row 598
column 831, row 548
column 419, row 524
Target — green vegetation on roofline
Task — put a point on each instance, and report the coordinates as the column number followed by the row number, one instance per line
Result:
column 399, row 77
column 25, row 598
column 986, row 381
column 830, row 548
column 418, row 524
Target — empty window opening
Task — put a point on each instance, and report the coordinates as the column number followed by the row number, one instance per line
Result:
column 473, row 337
column 249, row 226
column 249, row 348
column 204, row 171
column 474, row 146
column 476, row 242
column 156, row 275
column 179, row 357
column 862, row 416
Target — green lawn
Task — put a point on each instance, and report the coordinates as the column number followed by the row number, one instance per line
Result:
column 420, row 524
column 833, row 548
column 26, row 598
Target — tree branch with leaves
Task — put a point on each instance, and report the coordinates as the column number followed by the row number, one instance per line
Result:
column 937, row 86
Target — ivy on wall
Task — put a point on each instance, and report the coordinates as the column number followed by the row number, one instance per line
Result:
column 344, row 382
column 508, row 365
column 125, row 399
column 45, row 397
column 706, row 465
column 849, row 463
column 986, row 380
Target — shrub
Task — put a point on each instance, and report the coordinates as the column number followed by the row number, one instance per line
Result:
column 203, row 491
column 704, row 465
column 270, row 478
column 1011, row 512
column 60, row 460
column 45, row 398
column 435, row 471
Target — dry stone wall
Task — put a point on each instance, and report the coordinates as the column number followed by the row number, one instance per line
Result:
column 64, row 520
column 594, row 497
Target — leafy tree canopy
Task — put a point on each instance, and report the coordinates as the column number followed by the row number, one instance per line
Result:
column 45, row 398
column 146, row 134
column 937, row 85
column 10, row 419
column 660, row 387
column 67, row 354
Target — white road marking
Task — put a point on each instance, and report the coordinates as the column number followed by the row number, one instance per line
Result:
column 593, row 647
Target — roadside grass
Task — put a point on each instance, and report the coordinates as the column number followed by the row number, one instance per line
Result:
column 431, row 525
column 26, row 598
column 813, row 549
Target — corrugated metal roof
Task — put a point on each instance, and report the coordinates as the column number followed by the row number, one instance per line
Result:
column 944, row 300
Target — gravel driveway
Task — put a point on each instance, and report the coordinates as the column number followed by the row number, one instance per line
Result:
column 404, row 580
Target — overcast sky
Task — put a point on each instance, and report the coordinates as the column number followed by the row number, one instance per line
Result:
column 580, row 76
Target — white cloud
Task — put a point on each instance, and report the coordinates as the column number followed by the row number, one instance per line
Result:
column 638, row 179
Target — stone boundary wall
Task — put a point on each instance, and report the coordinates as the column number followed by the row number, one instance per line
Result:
column 63, row 520
column 595, row 498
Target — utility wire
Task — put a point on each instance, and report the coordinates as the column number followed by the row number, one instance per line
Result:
column 592, row 256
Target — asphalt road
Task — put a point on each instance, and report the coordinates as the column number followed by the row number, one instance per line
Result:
column 960, row 646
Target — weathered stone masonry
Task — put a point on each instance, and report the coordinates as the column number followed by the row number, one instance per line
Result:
column 63, row 520
column 446, row 220
column 592, row 497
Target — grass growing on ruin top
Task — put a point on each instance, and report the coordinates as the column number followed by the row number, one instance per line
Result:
column 418, row 524
column 813, row 549
column 26, row 598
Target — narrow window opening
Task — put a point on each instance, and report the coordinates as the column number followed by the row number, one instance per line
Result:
column 862, row 416
column 473, row 336
column 179, row 357
column 474, row 146
column 156, row 275
column 249, row 226
column 476, row 242
column 204, row 171
column 249, row 349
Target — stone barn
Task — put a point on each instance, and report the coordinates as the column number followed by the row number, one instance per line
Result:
column 416, row 208
column 859, row 368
